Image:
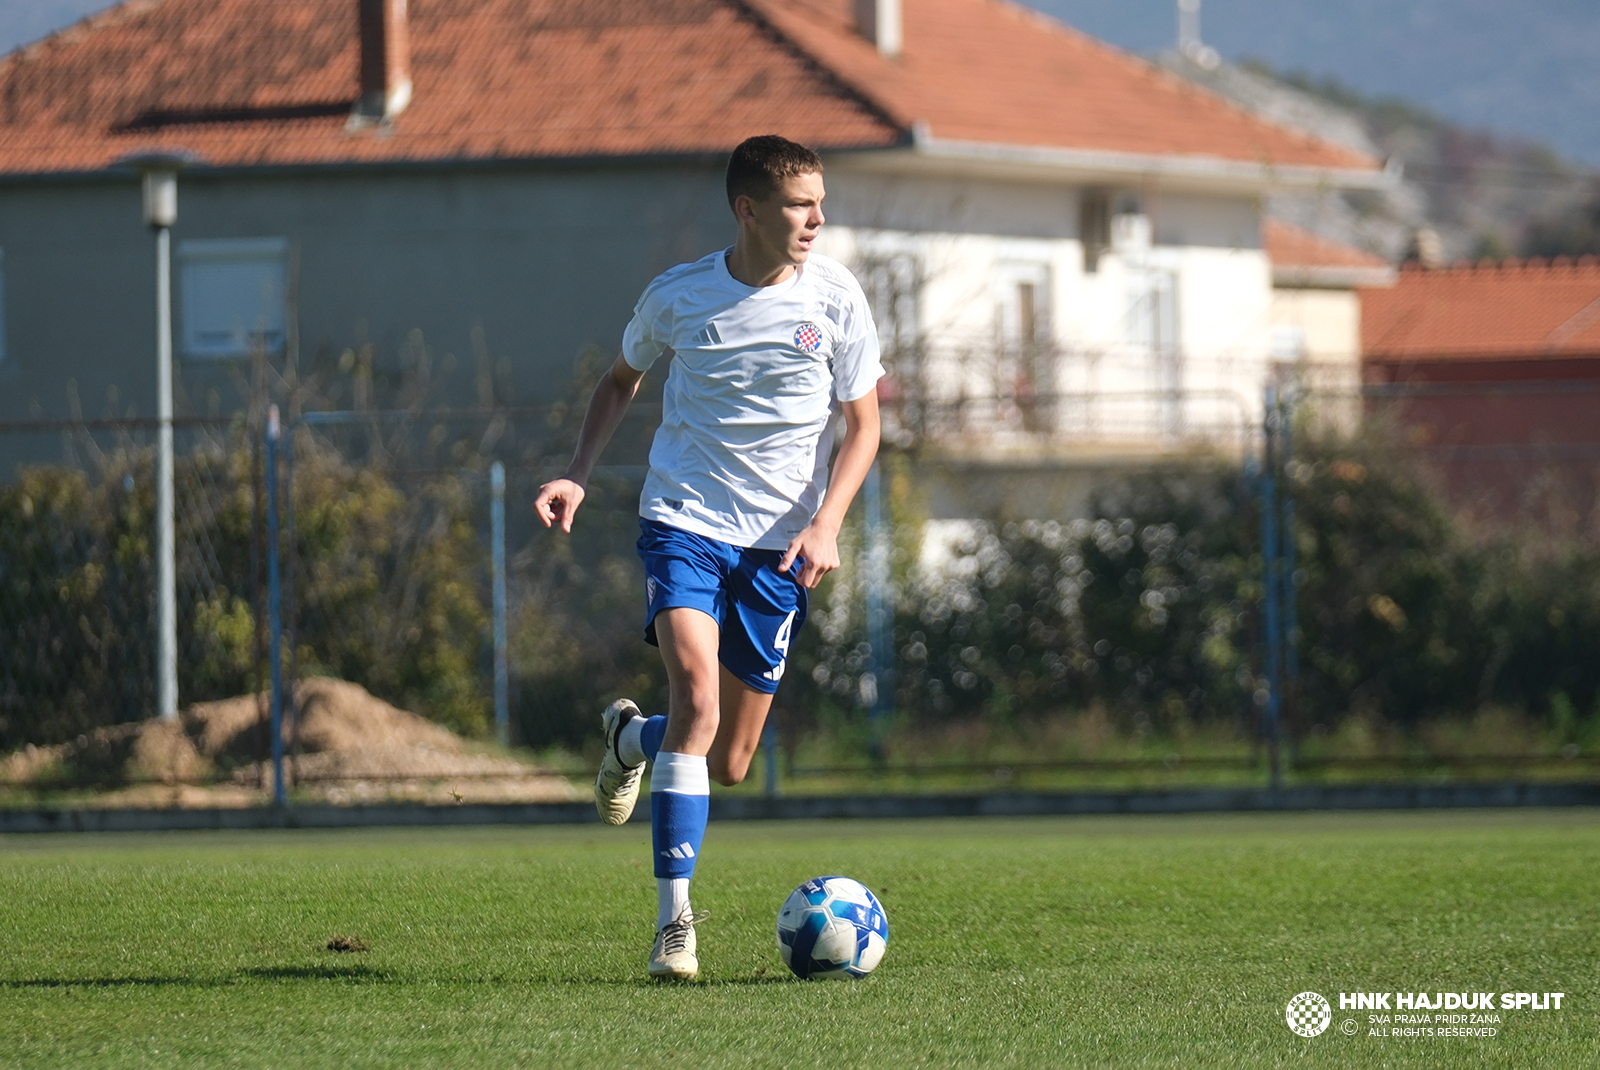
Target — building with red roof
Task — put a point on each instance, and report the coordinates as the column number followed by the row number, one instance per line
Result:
column 1492, row 373
column 1316, row 315
column 1040, row 218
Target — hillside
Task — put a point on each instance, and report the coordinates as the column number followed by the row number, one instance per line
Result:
column 1526, row 69
column 1485, row 194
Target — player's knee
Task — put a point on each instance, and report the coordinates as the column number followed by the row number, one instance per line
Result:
column 698, row 699
column 729, row 772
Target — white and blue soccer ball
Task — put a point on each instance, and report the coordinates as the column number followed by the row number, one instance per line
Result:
column 832, row 927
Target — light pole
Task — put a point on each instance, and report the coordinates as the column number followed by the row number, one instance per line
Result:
column 160, row 172
column 497, row 524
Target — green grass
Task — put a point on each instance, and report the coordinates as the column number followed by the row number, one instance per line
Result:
column 1033, row 943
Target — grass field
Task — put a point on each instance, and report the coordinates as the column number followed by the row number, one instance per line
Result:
column 1036, row 943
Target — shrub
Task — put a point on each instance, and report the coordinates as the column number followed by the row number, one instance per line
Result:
column 388, row 586
column 1151, row 609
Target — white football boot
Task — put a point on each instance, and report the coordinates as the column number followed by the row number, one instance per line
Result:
column 673, row 958
column 616, row 786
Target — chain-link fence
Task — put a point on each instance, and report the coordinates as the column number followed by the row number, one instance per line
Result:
column 383, row 557
column 1007, row 644
column 77, row 529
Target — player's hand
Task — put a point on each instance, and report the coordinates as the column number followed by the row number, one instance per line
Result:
column 817, row 550
column 558, row 502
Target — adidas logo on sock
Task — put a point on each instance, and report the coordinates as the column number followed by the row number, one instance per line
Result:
column 683, row 850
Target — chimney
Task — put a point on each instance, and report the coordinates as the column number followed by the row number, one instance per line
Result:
column 1189, row 43
column 385, row 61
column 879, row 22
column 1427, row 248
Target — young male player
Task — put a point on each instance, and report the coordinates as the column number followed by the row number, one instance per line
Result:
column 738, row 516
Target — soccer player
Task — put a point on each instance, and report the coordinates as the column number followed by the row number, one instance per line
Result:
column 738, row 517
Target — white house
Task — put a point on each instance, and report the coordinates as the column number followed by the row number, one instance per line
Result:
column 1063, row 242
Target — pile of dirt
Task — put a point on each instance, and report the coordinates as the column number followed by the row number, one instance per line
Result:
column 348, row 746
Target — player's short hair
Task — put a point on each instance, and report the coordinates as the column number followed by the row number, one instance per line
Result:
column 759, row 164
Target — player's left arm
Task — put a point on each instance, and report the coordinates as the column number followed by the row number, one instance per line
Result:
column 818, row 544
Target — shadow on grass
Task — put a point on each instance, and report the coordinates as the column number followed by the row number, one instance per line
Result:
column 360, row 973
column 704, row 982
column 356, row 972
column 109, row 982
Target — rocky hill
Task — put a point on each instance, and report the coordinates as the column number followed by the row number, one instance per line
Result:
column 1484, row 194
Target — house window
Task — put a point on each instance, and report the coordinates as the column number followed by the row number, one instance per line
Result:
column 1025, row 378
column 232, row 294
column 1152, row 332
column 3, row 353
column 892, row 283
column 1094, row 227
column 1288, row 344
column 1153, row 310
column 891, row 286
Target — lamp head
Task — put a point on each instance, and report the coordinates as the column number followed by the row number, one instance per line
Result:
column 160, row 171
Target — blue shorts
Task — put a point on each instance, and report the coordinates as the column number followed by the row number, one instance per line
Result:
column 758, row 609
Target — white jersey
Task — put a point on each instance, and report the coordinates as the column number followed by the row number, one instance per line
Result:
column 747, row 418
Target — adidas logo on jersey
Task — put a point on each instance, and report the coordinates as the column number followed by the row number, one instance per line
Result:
column 683, row 850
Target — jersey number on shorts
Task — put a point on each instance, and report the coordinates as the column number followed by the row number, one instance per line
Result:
column 780, row 643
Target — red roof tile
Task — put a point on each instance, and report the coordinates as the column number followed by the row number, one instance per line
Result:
column 1516, row 310
column 271, row 82
column 1301, row 258
column 994, row 71
column 1291, row 246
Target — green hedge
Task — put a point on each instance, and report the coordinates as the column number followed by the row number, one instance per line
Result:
column 386, row 594
column 1150, row 609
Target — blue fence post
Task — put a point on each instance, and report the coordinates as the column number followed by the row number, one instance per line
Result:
column 274, row 608
column 497, row 522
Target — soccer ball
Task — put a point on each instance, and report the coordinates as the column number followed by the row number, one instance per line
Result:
column 832, row 927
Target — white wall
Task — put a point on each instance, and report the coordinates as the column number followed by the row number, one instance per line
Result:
column 1320, row 329
column 1163, row 348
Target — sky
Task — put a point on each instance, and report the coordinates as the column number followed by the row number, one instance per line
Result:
column 1528, row 67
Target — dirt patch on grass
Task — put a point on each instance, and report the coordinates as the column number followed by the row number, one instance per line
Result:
column 348, row 747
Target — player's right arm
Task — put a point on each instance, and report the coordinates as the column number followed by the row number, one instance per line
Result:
column 558, row 500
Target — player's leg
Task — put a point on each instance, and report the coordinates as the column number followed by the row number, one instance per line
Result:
column 680, row 788
column 689, row 640
column 766, row 610
column 744, row 715
column 682, row 570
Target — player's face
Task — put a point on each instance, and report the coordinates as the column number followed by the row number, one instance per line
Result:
column 787, row 222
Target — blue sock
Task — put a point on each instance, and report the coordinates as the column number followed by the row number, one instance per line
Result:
column 680, row 802
column 651, row 735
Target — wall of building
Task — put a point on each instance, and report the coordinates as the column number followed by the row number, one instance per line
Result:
column 529, row 266
column 1161, row 344
column 532, row 267
column 1319, row 332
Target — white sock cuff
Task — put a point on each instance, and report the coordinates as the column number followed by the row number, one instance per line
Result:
column 681, row 774
column 629, row 746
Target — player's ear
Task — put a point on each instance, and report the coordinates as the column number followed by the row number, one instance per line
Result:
column 744, row 208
